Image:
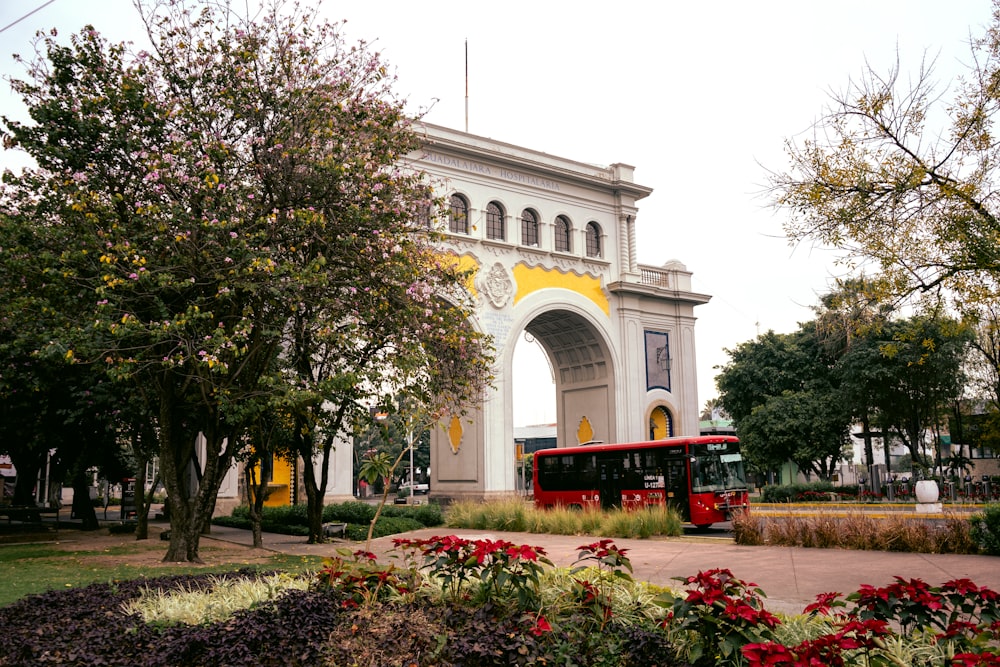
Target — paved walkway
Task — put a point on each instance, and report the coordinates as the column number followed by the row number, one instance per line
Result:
column 791, row 577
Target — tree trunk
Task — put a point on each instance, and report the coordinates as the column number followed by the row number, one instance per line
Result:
column 191, row 492
column 143, row 441
column 315, row 488
column 256, row 494
column 83, row 508
column 314, row 502
column 24, row 483
column 143, row 503
column 867, row 432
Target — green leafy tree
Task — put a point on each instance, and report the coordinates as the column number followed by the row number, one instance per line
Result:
column 395, row 337
column 912, row 371
column 55, row 414
column 206, row 202
column 845, row 316
column 386, row 433
column 268, row 437
column 413, row 418
column 782, row 396
column 805, row 427
column 32, row 393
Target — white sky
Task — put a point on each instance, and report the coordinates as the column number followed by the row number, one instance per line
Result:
column 698, row 96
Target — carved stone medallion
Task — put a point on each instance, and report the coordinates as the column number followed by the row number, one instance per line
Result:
column 497, row 285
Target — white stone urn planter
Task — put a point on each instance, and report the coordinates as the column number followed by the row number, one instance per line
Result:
column 927, row 491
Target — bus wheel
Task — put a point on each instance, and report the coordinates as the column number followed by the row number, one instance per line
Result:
column 703, row 526
column 576, row 508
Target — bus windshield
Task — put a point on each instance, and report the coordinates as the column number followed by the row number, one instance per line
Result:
column 717, row 472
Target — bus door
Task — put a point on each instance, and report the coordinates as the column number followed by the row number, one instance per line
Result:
column 677, row 486
column 609, row 481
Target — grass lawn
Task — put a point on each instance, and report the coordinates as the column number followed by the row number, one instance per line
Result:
column 37, row 563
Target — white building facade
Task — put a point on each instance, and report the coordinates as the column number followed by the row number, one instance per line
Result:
column 553, row 246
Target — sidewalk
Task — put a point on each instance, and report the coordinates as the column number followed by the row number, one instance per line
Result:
column 791, row 577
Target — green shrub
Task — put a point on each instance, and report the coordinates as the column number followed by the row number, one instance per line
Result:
column 986, row 529
column 353, row 511
column 293, row 519
column 386, row 525
column 124, row 528
column 285, row 514
column 218, row 602
column 289, row 515
column 428, row 515
column 851, row 490
column 776, row 494
column 267, row 525
column 233, row 521
column 790, row 493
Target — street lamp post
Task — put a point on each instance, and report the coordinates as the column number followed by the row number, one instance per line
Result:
column 409, row 438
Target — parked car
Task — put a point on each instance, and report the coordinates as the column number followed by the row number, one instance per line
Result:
column 418, row 488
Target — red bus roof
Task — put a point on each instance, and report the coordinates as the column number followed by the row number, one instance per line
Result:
column 648, row 444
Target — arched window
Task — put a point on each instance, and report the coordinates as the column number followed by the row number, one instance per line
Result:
column 495, row 222
column 458, row 215
column 593, row 239
column 529, row 228
column 562, row 232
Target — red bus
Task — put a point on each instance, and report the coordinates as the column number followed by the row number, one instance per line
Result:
column 701, row 477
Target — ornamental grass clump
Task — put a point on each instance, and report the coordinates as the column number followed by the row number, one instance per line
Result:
column 514, row 514
column 642, row 523
column 748, row 528
column 952, row 533
column 217, row 601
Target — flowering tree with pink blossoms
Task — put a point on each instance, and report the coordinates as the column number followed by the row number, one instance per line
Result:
column 235, row 212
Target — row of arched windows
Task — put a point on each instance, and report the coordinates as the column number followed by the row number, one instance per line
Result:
column 496, row 227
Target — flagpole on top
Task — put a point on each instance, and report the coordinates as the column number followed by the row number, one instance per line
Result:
column 466, row 85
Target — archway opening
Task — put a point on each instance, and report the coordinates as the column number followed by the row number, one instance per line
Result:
column 578, row 361
column 533, row 384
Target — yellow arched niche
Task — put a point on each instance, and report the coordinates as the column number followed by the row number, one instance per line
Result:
column 660, row 423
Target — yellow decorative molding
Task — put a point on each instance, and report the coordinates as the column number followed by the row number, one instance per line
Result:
column 530, row 279
column 455, row 434
column 468, row 263
column 585, row 432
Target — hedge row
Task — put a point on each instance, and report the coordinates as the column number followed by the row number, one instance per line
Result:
column 293, row 519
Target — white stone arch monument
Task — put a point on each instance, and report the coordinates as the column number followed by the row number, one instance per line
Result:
column 619, row 335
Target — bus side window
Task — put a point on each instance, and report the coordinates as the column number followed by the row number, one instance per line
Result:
column 585, row 475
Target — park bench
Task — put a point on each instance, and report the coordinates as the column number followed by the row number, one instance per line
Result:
column 28, row 514
column 334, row 529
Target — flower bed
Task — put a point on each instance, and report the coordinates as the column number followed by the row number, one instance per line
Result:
column 492, row 602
